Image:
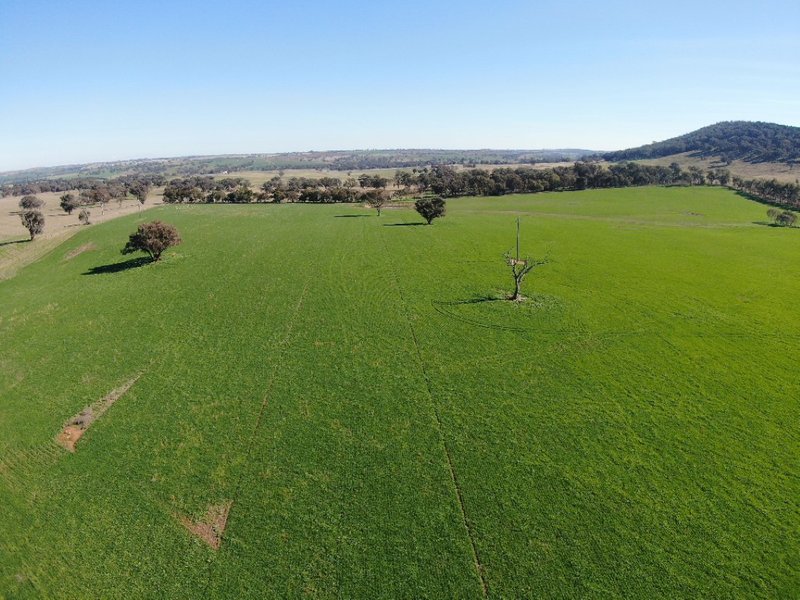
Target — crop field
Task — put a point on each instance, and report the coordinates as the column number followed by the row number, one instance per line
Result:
column 312, row 401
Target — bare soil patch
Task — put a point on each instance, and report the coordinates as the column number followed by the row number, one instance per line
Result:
column 69, row 436
column 75, row 428
column 212, row 526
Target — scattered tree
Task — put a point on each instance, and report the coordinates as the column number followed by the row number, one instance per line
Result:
column 430, row 208
column 376, row 199
column 69, row 203
column 33, row 220
column 153, row 238
column 84, row 215
column 100, row 195
column 31, row 203
column 140, row 189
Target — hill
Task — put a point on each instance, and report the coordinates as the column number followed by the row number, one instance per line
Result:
column 751, row 142
column 311, row 401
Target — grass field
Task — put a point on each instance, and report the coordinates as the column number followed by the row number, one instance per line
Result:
column 382, row 428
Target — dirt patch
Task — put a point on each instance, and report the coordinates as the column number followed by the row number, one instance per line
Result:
column 211, row 527
column 75, row 428
column 69, row 436
column 79, row 250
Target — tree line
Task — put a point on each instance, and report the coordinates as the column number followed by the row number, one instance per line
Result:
column 235, row 190
column 770, row 191
column 116, row 184
column 441, row 180
column 448, row 182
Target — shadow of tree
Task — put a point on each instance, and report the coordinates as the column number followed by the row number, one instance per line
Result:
column 350, row 216
column 476, row 300
column 132, row 263
column 403, row 224
column 771, row 224
column 13, row 242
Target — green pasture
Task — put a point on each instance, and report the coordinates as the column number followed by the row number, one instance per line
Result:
column 387, row 428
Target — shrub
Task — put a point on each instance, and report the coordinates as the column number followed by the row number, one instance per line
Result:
column 84, row 215
column 782, row 218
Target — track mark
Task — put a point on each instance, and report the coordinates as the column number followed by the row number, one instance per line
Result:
column 280, row 344
column 453, row 476
column 75, row 427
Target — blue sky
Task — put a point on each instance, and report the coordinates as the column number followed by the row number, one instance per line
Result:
column 87, row 81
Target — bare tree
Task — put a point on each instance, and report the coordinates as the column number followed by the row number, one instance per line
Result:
column 520, row 267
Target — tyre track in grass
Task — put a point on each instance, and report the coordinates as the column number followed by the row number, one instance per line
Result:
column 282, row 344
column 478, row 564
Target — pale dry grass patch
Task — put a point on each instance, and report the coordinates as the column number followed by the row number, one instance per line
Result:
column 766, row 170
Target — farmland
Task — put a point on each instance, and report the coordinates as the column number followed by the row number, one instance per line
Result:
column 380, row 424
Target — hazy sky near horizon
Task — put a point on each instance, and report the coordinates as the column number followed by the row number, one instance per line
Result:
column 84, row 81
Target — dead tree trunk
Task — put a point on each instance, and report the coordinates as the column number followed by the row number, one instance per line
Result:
column 519, row 269
column 517, row 289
